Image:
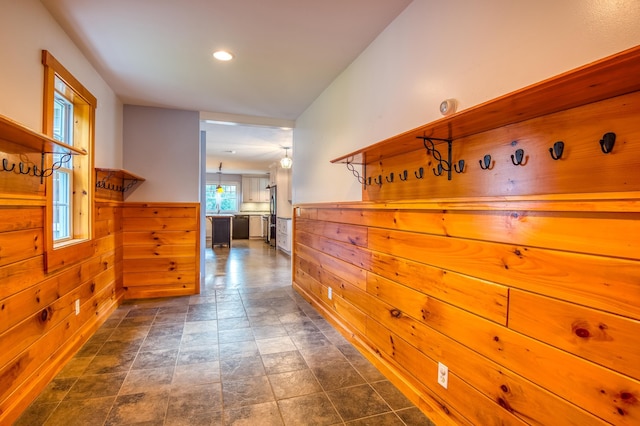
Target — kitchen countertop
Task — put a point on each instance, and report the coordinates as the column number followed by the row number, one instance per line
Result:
column 237, row 214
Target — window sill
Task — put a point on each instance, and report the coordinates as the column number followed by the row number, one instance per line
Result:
column 69, row 253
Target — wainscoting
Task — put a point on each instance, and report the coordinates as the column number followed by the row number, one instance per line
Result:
column 519, row 272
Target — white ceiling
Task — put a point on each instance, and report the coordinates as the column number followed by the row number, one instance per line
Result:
column 158, row 53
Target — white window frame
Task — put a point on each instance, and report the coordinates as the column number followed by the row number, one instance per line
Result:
column 223, row 184
column 63, row 176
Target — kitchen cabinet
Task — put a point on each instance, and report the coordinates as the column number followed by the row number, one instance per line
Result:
column 283, row 237
column 254, row 189
column 255, row 226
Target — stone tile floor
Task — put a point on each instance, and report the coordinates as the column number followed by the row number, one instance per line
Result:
column 240, row 353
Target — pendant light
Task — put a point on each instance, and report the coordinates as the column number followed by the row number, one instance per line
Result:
column 219, row 188
column 286, row 162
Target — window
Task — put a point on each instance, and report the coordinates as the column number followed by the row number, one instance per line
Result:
column 226, row 201
column 69, row 115
column 62, row 177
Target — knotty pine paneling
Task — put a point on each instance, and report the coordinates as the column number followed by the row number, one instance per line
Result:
column 582, row 168
column 39, row 330
column 161, row 254
column 14, row 184
column 524, row 279
column 448, row 299
column 610, row 340
column 610, row 284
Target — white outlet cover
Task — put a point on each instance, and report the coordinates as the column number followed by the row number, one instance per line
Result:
column 77, row 306
column 443, row 375
column 330, row 293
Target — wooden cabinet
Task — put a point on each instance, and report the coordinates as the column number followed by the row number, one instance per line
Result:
column 254, row 189
column 283, row 237
column 255, row 226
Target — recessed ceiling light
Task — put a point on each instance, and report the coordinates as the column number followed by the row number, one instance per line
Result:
column 222, row 55
column 224, row 123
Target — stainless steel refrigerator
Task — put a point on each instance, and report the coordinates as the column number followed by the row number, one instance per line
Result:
column 273, row 210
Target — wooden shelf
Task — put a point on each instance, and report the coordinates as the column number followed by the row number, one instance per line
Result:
column 610, row 77
column 16, row 139
column 120, row 174
column 117, row 180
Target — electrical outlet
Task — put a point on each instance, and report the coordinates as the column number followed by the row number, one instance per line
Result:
column 443, row 375
column 330, row 293
column 77, row 306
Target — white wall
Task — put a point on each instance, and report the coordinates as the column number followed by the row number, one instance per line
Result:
column 163, row 146
column 26, row 28
column 470, row 50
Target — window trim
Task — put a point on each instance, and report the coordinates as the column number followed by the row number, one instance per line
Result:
column 59, row 255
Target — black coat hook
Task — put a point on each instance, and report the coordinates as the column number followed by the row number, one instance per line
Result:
column 459, row 168
column 607, row 142
column 519, row 157
column 403, row 176
column 487, row 162
column 420, row 173
column 557, row 150
column 440, row 170
column 5, row 165
column 389, row 178
column 378, row 180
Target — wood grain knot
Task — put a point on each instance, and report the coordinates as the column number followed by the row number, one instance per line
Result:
column 92, row 287
column 44, row 315
column 582, row 332
column 504, row 388
column 504, row 404
column 628, row 398
column 396, row 313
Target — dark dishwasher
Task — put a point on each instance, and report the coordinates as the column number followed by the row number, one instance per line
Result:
column 241, row 227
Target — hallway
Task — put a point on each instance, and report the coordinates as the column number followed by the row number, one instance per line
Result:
column 246, row 351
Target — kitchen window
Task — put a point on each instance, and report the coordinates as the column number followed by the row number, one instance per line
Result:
column 225, row 201
column 69, row 116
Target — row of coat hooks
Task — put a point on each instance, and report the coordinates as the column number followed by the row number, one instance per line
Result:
column 105, row 184
column 28, row 168
column 518, row 158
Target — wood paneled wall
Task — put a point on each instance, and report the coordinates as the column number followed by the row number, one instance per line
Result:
column 524, row 280
column 158, row 255
column 161, row 249
column 39, row 329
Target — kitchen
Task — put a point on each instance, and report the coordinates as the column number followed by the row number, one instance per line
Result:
column 249, row 206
